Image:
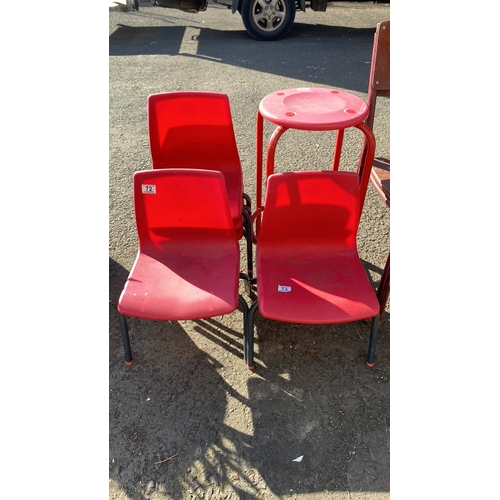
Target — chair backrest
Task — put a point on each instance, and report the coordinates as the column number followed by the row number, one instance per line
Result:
column 192, row 130
column 307, row 207
column 379, row 82
column 174, row 204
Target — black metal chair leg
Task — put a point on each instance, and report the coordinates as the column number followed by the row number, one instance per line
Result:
column 373, row 340
column 247, row 223
column 125, row 339
column 247, row 201
column 244, row 306
column 249, row 339
column 384, row 286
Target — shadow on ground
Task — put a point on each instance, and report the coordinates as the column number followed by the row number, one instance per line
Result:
column 351, row 55
column 189, row 419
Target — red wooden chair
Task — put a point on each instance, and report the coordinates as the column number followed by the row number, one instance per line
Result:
column 187, row 265
column 380, row 178
column 195, row 130
column 306, row 258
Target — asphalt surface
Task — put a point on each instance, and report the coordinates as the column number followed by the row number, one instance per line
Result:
column 227, row 432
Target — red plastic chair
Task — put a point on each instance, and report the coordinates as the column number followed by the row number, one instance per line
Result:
column 195, row 130
column 187, row 265
column 380, row 177
column 308, row 269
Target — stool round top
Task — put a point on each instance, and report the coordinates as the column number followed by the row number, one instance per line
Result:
column 313, row 109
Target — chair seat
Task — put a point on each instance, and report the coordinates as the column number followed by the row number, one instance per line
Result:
column 187, row 264
column 192, row 129
column 179, row 283
column 323, row 287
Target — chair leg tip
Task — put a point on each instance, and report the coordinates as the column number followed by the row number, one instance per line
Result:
column 129, row 363
column 249, row 367
column 371, row 365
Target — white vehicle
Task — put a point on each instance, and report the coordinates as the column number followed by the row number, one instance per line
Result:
column 263, row 19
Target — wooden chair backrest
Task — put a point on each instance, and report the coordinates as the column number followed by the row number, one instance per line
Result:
column 380, row 71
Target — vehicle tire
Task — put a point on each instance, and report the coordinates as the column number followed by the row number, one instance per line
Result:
column 268, row 20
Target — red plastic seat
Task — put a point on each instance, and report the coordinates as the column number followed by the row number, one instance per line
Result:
column 308, row 268
column 187, row 265
column 195, row 130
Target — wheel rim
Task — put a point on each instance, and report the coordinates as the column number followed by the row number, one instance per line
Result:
column 268, row 15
